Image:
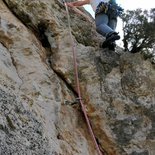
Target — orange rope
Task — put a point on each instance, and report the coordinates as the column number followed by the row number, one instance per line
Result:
column 78, row 85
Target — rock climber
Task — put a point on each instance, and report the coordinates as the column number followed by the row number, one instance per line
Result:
column 106, row 13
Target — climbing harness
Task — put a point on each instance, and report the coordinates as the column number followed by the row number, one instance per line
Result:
column 102, row 8
column 110, row 8
column 115, row 10
column 78, row 84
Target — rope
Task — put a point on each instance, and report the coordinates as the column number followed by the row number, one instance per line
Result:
column 78, row 84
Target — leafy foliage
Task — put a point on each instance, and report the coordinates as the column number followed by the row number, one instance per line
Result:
column 139, row 30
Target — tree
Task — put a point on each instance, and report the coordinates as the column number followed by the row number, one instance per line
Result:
column 138, row 30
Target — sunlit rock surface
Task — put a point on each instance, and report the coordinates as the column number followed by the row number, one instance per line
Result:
column 39, row 113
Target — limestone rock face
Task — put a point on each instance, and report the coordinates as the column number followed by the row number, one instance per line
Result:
column 39, row 113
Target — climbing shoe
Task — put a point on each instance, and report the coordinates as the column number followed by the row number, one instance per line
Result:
column 111, row 37
column 112, row 46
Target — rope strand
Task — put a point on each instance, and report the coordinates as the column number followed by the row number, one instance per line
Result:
column 78, row 84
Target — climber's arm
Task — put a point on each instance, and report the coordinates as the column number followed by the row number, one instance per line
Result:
column 75, row 4
column 82, row 14
column 78, row 3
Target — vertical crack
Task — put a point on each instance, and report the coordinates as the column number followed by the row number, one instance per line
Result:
column 41, row 33
column 14, row 64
